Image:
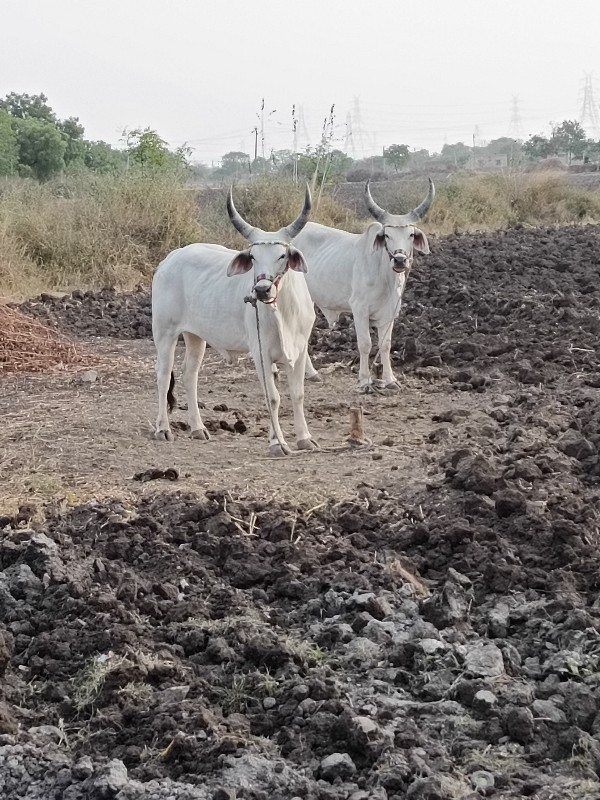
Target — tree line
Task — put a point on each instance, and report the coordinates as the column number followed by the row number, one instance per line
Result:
column 567, row 140
column 35, row 143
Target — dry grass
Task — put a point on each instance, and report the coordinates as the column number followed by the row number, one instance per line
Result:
column 269, row 203
column 28, row 346
column 90, row 231
column 467, row 202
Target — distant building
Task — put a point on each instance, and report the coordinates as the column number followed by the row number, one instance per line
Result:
column 489, row 162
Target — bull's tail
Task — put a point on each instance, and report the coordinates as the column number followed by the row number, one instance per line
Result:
column 171, row 399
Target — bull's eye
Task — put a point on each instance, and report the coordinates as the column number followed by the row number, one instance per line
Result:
column 412, row 235
column 281, row 258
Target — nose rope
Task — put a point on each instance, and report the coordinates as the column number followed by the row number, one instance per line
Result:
column 397, row 308
column 391, row 254
column 274, row 281
column 254, row 302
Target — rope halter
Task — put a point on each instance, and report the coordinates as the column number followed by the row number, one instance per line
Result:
column 275, row 279
column 392, row 254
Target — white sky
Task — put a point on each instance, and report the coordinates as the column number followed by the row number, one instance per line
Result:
column 420, row 73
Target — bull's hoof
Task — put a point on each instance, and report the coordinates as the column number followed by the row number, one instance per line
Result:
column 316, row 378
column 163, row 436
column 201, row 433
column 368, row 388
column 307, row 444
column 394, row 386
column 278, row 450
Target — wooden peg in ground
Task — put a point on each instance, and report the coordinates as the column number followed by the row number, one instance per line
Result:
column 357, row 432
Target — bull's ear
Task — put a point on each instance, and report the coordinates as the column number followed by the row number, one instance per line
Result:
column 296, row 260
column 240, row 264
column 379, row 241
column 420, row 243
column 375, row 236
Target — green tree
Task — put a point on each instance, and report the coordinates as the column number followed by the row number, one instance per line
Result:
column 102, row 158
column 9, row 146
column 592, row 151
column 323, row 166
column 397, row 155
column 505, row 145
column 182, row 155
column 457, row 154
column 419, row 158
column 42, row 148
column 235, row 163
column 28, row 106
column 73, row 133
column 569, row 138
column 538, row 146
column 147, row 149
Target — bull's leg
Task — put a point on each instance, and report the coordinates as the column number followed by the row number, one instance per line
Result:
column 165, row 356
column 363, row 338
column 310, row 372
column 194, row 353
column 295, row 376
column 384, row 333
column 277, row 444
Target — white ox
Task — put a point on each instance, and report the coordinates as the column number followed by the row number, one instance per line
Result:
column 192, row 294
column 365, row 274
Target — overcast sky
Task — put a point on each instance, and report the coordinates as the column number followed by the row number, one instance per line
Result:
column 417, row 73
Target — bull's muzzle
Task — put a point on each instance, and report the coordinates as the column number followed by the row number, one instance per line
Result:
column 400, row 262
column 265, row 290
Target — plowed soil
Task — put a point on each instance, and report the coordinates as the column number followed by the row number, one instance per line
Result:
column 417, row 618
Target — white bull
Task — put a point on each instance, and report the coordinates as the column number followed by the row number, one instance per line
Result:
column 192, row 294
column 365, row 274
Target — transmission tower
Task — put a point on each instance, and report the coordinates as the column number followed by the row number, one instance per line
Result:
column 515, row 129
column 589, row 117
column 359, row 136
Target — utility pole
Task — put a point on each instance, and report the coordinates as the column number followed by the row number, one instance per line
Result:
column 255, row 132
column 262, row 128
column 302, row 124
column 295, row 145
column 349, row 142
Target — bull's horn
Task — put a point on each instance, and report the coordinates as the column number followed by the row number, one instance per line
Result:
column 238, row 222
column 420, row 211
column 297, row 225
column 375, row 210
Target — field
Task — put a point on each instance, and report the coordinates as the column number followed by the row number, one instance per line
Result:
column 415, row 618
